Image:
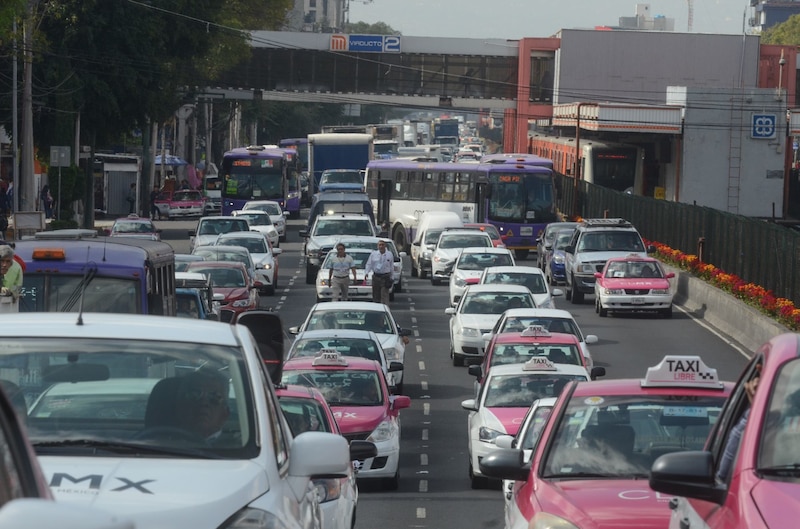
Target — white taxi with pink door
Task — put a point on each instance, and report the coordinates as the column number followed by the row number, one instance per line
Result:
column 504, row 399
column 356, row 391
column 632, row 284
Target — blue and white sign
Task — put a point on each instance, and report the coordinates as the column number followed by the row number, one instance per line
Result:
column 764, row 126
column 366, row 43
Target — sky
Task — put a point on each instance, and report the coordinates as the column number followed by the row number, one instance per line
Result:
column 515, row 19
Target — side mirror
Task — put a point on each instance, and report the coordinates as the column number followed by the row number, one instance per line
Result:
column 469, row 405
column 450, row 310
column 557, row 292
column 404, row 332
column 597, row 372
column 395, row 366
column 303, row 233
column 277, row 251
column 670, row 275
column 598, row 275
column 590, row 338
column 476, row 370
column 192, row 233
column 569, row 249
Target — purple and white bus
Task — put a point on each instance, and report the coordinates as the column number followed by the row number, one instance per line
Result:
column 260, row 172
column 518, row 198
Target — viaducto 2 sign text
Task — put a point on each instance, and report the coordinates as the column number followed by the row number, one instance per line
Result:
column 366, row 43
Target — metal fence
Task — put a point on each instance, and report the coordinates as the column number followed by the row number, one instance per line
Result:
column 758, row 251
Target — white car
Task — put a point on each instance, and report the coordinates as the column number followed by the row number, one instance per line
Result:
column 238, row 254
column 476, row 314
column 371, row 243
column 199, row 440
column 361, row 289
column 504, row 398
column 449, row 246
column 208, row 228
column 555, row 320
column 529, row 276
column 260, row 221
column 347, row 342
column 470, row 265
column 275, row 212
column 265, row 257
column 364, row 315
column 532, row 425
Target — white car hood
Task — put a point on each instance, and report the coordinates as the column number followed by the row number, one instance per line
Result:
column 262, row 258
column 324, row 240
column 204, row 240
column 478, row 321
column 450, row 254
column 157, row 493
column 389, row 340
column 266, row 230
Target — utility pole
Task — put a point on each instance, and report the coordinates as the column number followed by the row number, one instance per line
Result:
column 23, row 194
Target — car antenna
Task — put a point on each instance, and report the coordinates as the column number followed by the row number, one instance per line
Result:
column 84, row 283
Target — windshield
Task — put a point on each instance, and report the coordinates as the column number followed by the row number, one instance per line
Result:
column 342, row 177
column 493, row 303
column 522, row 352
column 62, row 293
column 520, row 323
column 254, row 182
column 361, row 347
column 376, row 321
column 562, row 240
column 133, row 227
column 611, row 241
column 465, row 241
column 218, row 226
column 614, row 436
column 536, row 424
column 519, row 391
column 256, row 219
column 132, row 397
column 253, row 244
column 343, row 227
column 215, row 253
column 780, row 446
column 340, row 387
column 187, row 196
column 478, row 261
column 223, row 277
column 534, row 282
column 432, row 236
column 304, row 415
column 521, row 198
column 267, row 207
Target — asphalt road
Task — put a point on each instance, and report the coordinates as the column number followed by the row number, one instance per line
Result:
column 434, row 486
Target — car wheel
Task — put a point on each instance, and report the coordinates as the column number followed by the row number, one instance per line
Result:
column 600, row 310
column 393, row 482
column 270, row 290
column 414, row 270
column 567, row 291
column 477, row 482
column 577, row 297
column 667, row 313
column 422, row 273
column 399, row 238
column 311, row 275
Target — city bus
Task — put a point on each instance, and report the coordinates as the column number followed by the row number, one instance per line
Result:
column 259, row 172
column 300, row 145
column 521, row 200
column 618, row 166
column 402, row 190
column 73, row 270
column 517, row 198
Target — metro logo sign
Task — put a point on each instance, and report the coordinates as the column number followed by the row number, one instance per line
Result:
column 366, row 43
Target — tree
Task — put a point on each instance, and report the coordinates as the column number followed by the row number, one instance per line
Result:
column 363, row 28
column 786, row 33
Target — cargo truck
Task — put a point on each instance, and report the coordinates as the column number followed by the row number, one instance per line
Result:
column 337, row 151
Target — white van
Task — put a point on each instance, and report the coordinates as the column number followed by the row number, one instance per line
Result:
column 426, row 151
column 431, row 225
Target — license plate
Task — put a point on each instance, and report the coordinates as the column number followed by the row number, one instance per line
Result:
column 637, row 301
column 526, row 231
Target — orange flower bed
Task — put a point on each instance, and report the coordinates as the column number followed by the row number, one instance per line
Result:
column 781, row 309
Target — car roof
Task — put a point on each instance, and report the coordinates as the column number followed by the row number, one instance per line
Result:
column 461, row 231
column 240, row 234
column 537, row 312
column 633, row 386
column 554, row 337
column 119, row 326
column 487, row 249
column 353, row 363
column 519, row 369
column 350, row 305
column 499, row 287
column 337, row 333
column 216, row 264
column 514, row 269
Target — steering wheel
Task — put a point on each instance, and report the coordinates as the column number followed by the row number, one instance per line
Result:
column 168, row 433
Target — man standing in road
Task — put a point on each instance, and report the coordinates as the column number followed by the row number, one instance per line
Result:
column 381, row 264
column 339, row 274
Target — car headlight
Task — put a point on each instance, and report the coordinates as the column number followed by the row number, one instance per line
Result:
column 385, row 431
column 392, row 354
column 558, row 259
column 487, row 435
column 249, row 518
column 441, row 259
column 266, row 266
column 328, row 489
column 614, row 291
column 241, row 303
column 543, row 520
column 660, row 291
column 460, row 282
column 585, row 269
column 470, row 332
column 324, row 283
column 426, row 254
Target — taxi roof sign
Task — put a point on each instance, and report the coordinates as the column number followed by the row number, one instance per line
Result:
column 329, row 357
column 536, row 330
column 681, row 371
column 539, row 363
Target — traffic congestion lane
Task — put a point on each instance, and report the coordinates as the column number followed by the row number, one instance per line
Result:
column 434, row 485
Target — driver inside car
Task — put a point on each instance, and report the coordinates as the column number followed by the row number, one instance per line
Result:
column 202, row 404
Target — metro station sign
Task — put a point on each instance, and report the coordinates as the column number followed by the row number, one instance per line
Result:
column 366, row 43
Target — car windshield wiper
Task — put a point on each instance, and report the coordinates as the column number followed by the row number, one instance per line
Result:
column 792, row 469
column 119, row 447
column 578, row 475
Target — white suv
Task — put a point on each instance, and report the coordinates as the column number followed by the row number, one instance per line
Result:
column 593, row 243
column 324, row 235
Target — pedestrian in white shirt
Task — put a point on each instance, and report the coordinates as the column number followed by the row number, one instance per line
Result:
column 381, row 264
column 342, row 265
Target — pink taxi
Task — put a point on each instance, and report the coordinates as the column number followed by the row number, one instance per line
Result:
column 753, row 482
column 504, row 400
column 590, row 465
column 356, row 391
column 631, row 284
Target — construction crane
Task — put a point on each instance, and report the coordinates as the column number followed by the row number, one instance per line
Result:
column 690, row 22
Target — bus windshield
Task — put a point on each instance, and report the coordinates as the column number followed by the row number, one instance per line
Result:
column 256, row 182
column 62, row 293
column 521, row 198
